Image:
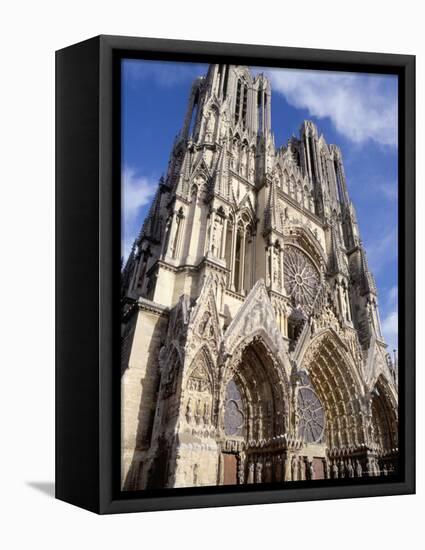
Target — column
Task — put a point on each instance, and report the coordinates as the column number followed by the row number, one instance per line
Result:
column 253, row 259
column 378, row 320
column 242, row 264
column 232, row 274
column 223, row 239
column 347, row 301
column 341, row 300
column 281, row 272
column 307, row 149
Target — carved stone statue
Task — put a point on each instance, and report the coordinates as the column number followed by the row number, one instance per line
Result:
column 250, row 478
column 359, row 469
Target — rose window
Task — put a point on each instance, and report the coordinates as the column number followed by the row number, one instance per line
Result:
column 301, row 276
column 311, row 417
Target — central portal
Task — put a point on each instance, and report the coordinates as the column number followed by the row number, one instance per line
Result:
column 253, row 416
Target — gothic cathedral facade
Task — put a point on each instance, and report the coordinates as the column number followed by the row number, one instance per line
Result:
column 252, row 349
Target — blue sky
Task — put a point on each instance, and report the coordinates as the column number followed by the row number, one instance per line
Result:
column 357, row 112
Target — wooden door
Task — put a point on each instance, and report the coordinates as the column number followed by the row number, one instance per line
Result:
column 230, row 469
column 318, row 468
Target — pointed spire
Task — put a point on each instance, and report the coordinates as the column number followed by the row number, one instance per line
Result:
column 367, row 280
column 181, row 185
column 271, row 215
column 221, row 171
column 336, row 263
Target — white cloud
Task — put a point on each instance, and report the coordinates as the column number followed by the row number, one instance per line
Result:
column 382, row 250
column 388, row 190
column 361, row 107
column 392, row 297
column 137, row 192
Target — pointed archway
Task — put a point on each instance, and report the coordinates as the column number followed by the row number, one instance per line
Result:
column 383, row 427
column 254, row 415
column 335, row 379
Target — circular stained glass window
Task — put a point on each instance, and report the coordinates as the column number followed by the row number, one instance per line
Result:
column 301, row 276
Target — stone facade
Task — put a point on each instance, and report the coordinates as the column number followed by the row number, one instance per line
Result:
column 251, row 342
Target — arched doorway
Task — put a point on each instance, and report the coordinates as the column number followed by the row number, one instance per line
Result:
column 254, row 416
column 336, row 382
column 383, row 429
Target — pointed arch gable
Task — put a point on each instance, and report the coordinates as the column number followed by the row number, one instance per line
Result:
column 204, row 323
column 246, row 205
column 200, row 168
column 386, row 387
column 376, row 363
column 256, row 320
column 203, row 359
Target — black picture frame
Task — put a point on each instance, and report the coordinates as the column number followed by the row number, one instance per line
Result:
column 88, row 271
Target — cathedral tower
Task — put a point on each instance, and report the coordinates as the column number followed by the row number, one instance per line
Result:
column 251, row 342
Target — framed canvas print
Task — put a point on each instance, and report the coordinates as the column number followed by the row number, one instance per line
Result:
column 235, row 274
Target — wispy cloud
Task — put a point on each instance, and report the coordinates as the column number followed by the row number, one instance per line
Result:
column 382, row 250
column 137, row 192
column 361, row 107
column 389, row 307
column 388, row 190
column 164, row 73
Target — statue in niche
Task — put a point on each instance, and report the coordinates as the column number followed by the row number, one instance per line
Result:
column 335, row 472
column 359, row 470
column 216, row 236
column 268, row 471
column 258, row 472
column 241, row 477
column 350, row 469
column 251, row 166
column 206, row 414
column 204, row 322
column 189, row 415
column 294, row 468
column 210, row 126
column 300, row 464
column 198, row 412
column 195, row 474
column 250, row 473
column 244, row 162
column 310, row 469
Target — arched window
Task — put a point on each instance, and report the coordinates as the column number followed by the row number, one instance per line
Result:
column 238, row 100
